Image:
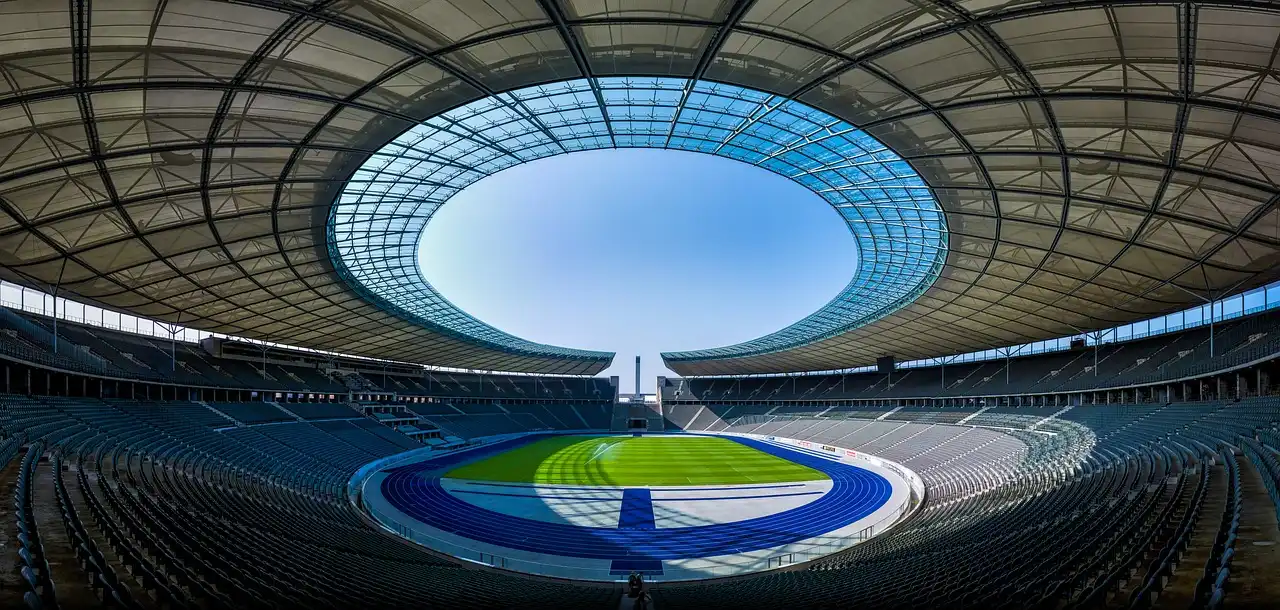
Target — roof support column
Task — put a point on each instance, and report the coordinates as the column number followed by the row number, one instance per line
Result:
column 1210, row 302
column 56, row 287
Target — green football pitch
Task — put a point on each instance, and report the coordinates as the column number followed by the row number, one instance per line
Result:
column 635, row 461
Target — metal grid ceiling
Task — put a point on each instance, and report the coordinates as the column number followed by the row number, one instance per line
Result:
column 1098, row 162
column 897, row 224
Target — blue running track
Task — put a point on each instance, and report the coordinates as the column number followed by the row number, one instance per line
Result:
column 416, row 491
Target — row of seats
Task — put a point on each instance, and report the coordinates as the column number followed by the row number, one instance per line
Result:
column 1211, row 590
column 185, row 514
column 168, row 590
column 168, row 512
column 1091, row 508
column 320, row 410
column 101, row 576
column 506, row 387
column 253, row 412
column 474, row 420
column 1177, row 539
column 100, row 351
column 1263, row 454
column 33, row 563
column 1163, row 357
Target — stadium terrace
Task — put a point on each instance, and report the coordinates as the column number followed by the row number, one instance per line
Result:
column 1049, row 383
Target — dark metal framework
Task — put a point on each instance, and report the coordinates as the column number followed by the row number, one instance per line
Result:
column 379, row 218
column 1098, row 161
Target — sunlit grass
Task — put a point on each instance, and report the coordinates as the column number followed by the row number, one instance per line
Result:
column 627, row 461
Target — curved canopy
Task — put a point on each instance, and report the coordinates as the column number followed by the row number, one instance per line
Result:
column 899, row 228
column 1097, row 161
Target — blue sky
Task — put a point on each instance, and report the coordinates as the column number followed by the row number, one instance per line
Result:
column 638, row 252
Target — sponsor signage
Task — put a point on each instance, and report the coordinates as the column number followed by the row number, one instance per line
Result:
column 770, row 438
column 830, row 449
column 806, row 444
column 851, row 453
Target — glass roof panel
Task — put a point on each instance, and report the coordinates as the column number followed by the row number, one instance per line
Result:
column 156, row 156
column 899, row 227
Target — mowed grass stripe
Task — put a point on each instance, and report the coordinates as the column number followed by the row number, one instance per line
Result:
column 635, row 462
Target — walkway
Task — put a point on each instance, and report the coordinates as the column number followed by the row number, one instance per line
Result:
column 1254, row 582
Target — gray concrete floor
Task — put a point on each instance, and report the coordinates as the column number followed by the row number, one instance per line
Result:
column 70, row 582
column 11, row 588
column 1255, row 572
column 1181, row 588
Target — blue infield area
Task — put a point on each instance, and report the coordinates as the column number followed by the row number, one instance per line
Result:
column 416, row 490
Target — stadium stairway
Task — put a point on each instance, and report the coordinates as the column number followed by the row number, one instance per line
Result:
column 1256, row 563
column 11, row 588
column 1180, row 587
column 655, row 420
column 618, row 419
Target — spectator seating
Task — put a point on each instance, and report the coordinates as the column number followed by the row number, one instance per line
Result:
column 479, row 419
column 253, row 412
column 1151, row 359
column 320, row 410
column 1120, row 514
column 170, row 505
column 387, row 434
column 160, row 511
column 99, row 351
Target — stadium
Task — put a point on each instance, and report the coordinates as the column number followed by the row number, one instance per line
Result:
column 229, row 384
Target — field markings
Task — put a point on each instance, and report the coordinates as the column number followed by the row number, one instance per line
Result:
column 748, row 477
column 600, row 450
column 633, row 462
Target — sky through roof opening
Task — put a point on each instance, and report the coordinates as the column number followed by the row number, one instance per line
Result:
column 637, row 251
column 374, row 225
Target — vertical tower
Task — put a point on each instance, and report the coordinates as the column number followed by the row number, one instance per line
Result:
column 638, row 392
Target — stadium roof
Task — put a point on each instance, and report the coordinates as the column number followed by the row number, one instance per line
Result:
column 1097, row 162
column 378, row 220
